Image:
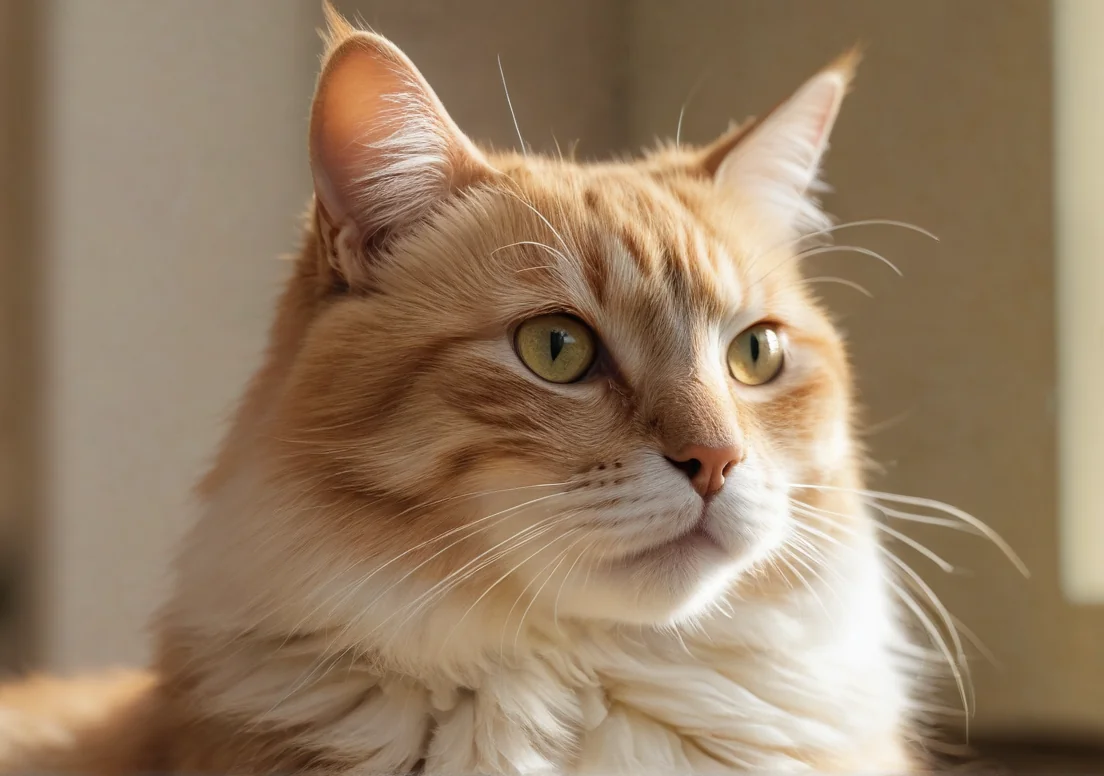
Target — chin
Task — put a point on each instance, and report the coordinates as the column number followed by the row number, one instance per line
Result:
column 673, row 581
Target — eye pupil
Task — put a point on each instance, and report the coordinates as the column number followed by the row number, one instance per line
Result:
column 753, row 346
column 558, row 340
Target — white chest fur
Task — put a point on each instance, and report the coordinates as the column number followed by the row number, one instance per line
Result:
column 787, row 686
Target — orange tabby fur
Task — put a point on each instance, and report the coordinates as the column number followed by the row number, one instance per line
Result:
column 389, row 390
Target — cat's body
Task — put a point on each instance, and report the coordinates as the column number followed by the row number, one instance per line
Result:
column 414, row 553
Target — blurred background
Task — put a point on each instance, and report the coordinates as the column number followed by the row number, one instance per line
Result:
column 153, row 168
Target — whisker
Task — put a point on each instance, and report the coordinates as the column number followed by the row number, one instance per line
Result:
column 538, row 214
column 905, row 539
column 539, row 528
column 941, row 610
column 563, row 583
column 958, row 525
column 327, row 656
column 850, row 225
column 920, row 548
column 841, row 281
column 936, row 637
column 494, row 584
column 536, row 244
column 457, row 577
column 503, row 515
column 472, row 527
column 686, row 104
column 805, row 583
column 510, row 105
column 939, row 506
column 822, row 249
column 977, row 643
column 874, row 222
column 533, row 599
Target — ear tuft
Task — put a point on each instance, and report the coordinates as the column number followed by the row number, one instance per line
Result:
column 338, row 29
column 847, row 64
column 774, row 164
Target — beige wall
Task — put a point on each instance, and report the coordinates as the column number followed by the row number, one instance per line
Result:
column 174, row 177
column 565, row 63
column 949, row 127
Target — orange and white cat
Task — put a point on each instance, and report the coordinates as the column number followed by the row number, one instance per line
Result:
column 549, row 469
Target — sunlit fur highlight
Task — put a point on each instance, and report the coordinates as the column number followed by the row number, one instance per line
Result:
column 414, row 554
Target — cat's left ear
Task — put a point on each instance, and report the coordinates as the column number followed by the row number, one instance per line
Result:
column 775, row 163
column 384, row 151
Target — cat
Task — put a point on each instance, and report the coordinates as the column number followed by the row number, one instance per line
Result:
column 549, row 469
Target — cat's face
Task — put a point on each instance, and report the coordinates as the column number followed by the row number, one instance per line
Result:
column 591, row 385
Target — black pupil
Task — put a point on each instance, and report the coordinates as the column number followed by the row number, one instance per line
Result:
column 754, row 347
column 558, row 338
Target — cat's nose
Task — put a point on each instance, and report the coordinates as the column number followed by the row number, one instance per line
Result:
column 707, row 466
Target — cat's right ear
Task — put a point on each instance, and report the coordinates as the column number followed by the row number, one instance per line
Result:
column 383, row 150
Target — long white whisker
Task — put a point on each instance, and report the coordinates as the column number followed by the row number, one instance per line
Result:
column 355, row 587
column 818, row 513
column 563, row 583
column 686, row 104
column 533, row 599
column 472, row 527
column 852, row 249
column 920, row 548
column 559, row 254
column 939, row 506
column 941, row 610
column 936, row 637
column 326, row 654
column 538, row 214
column 494, row 584
column 510, row 105
column 525, row 534
column 976, row 643
column 957, row 525
column 849, row 225
column 841, row 281
column 785, row 559
column 484, row 560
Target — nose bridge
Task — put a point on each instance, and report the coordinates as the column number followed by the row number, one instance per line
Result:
column 695, row 409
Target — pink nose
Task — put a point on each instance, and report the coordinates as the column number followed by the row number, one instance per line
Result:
column 707, row 466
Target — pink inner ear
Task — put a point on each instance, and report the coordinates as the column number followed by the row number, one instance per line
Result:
column 350, row 121
column 383, row 148
column 826, row 92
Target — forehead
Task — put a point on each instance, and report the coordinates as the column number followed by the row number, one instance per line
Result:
column 625, row 245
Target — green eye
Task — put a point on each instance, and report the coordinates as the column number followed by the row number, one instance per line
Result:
column 557, row 348
column 755, row 356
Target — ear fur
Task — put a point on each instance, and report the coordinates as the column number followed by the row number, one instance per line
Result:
column 775, row 161
column 383, row 149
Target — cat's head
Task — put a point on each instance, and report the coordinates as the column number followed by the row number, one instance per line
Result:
column 515, row 377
